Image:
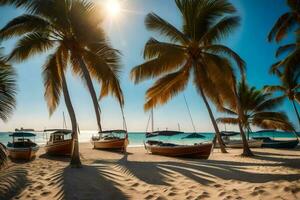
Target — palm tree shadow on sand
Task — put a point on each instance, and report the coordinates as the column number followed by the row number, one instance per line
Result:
column 204, row 171
column 88, row 182
column 12, row 182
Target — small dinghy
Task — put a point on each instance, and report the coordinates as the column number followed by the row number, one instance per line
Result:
column 22, row 148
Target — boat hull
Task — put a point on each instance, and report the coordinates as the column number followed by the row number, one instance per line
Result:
column 239, row 144
column 59, row 148
column 114, row 144
column 193, row 151
column 280, row 144
column 22, row 153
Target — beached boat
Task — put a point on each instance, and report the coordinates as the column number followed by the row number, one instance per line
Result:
column 237, row 143
column 201, row 150
column 22, row 148
column 111, row 140
column 58, row 144
column 277, row 144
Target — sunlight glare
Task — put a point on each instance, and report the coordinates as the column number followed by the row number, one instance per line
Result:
column 113, row 7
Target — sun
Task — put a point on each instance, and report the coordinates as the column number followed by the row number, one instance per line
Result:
column 113, row 7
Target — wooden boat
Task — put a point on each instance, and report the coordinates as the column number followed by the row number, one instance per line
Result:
column 111, row 140
column 21, row 147
column 239, row 143
column 201, row 150
column 58, row 144
column 278, row 144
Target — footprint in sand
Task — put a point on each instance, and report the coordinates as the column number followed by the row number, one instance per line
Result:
column 203, row 195
column 160, row 198
column 171, row 194
column 287, row 189
column 222, row 194
column 135, row 185
column 295, row 190
column 254, row 193
column 39, row 187
column 45, row 193
column 150, row 196
column 217, row 185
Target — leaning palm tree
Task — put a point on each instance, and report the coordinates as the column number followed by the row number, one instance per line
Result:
column 289, row 87
column 257, row 111
column 7, row 97
column 61, row 25
column 286, row 22
column 69, row 21
column 193, row 51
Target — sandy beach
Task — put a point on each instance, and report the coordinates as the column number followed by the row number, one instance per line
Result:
column 271, row 174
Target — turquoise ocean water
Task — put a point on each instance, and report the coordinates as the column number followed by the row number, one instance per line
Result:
column 137, row 138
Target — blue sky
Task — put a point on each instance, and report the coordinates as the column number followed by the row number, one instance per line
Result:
column 128, row 34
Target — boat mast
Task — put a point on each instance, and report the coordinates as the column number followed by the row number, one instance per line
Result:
column 152, row 121
column 187, row 106
column 64, row 121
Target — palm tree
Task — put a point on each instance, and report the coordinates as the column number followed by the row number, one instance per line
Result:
column 62, row 25
column 289, row 87
column 192, row 50
column 286, row 21
column 7, row 97
column 257, row 111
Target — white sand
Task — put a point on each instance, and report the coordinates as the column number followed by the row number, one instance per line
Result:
column 272, row 174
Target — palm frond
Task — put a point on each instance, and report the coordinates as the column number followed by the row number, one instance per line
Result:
column 167, row 87
column 154, row 48
column 105, row 72
column 199, row 16
column 221, row 49
column 274, row 88
column 156, row 67
column 228, row 111
column 272, row 120
column 24, row 24
column 270, row 104
column 52, row 81
column 227, row 120
column 30, row 45
column 222, row 29
column 278, row 26
column 16, row 3
column 284, row 49
column 274, row 69
column 156, row 23
column 8, row 89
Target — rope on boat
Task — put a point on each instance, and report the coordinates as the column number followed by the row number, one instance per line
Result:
column 187, row 106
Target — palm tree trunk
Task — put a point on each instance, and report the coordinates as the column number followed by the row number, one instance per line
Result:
column 246, row 150
column 92, row 92
column 75, row 158
column 293, row 101
column 220, row 141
